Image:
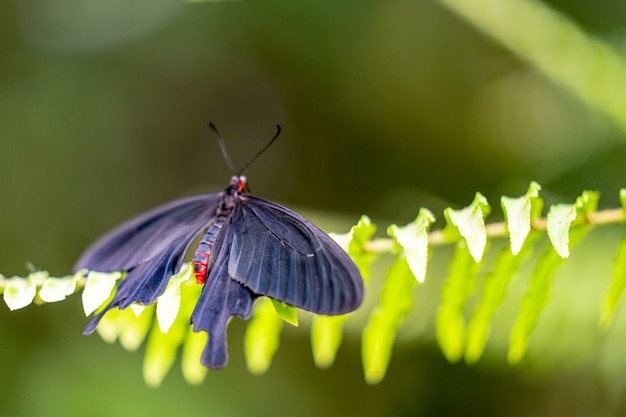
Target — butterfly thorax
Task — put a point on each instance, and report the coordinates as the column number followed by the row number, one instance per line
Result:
column 224, row 210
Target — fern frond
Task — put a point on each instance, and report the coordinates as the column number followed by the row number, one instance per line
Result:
column 165, row 326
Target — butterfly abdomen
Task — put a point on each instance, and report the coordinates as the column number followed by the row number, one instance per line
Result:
column 203, row 251
column 205, row 247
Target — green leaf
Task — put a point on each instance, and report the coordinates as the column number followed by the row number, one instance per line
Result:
column 493, row 292
column 168, row 303
column 326, row 335
column 135, row 328
column 161, row 351
column 194, row 343
column 469, row 222
column 519, row 212
column 137, row 309
column 98, row 289
column 286, row 312
column 193, row 371
column 109, row 326
column 561, row 217
column 262, row 337
column 587, row 203
column 617, row 287
column 354, row 242
column 622, row 200
column 19, row 292
column 459, row 285
column 413, row 238
column 538, row 296
column 380, row 332
column 131, row 329
column 57, row 289
column 161, row 348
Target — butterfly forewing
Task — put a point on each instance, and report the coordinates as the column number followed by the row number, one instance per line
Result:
column 150, row 234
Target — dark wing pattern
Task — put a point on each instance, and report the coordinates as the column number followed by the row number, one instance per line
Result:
column 278, row 253
column 221, row 298
column 262, row 249
column 150, row 248
column 149, row 235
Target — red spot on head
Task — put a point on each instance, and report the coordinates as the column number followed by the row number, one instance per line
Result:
column 241, row 182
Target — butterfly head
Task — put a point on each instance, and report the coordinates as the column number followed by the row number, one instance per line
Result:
column 238, row 184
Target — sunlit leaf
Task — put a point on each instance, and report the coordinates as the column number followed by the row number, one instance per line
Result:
column 126, row 326
column 326, row 335
column 458, row 286
column 380, row 332
column 622, row 200
column 19, row 292
column 137, row 309
column 518, row 213
column 587, row 203
column 135, row 328
column 493, row 293
column 286, row 312
column 57, row 289
column 354, row 243
column 561, row 217
column 161, row 352
column 413, row 238
column 342, row 239
column 109, row 325
column 538, row 296
column 262, row 336
column 38, row 279
column 470, row 224
column 162, row 347
column 193, row 345
column 98, row 289
column 168, row 303
column 617, row 287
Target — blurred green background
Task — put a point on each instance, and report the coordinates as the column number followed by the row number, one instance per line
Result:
column 385, row 107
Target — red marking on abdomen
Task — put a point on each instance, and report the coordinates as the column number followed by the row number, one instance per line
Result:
column 200, row 267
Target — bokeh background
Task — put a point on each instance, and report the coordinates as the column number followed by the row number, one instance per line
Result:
column 386, row 107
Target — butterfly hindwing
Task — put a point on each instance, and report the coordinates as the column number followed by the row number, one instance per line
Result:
column 220, row 299
column 278, row 253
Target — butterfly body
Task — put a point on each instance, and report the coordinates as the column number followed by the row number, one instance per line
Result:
column 225, row 207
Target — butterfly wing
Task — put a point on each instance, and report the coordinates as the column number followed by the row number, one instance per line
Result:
column 150, row 234
column 150, row 248
column 278, row 253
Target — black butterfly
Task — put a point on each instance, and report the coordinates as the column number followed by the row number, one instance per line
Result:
column 250, row 247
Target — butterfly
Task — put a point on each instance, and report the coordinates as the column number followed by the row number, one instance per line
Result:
column 249, row 247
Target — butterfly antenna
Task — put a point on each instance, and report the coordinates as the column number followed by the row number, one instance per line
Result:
column 278, row 130
column 222, row 144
